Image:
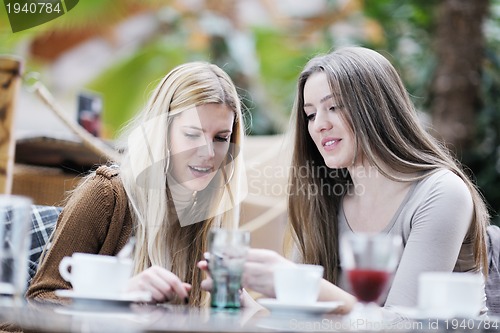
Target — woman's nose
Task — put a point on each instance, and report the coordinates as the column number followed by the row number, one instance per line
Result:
column 321, row 121
column 207, row 149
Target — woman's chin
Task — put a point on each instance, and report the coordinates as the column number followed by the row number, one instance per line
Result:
column 199, row 184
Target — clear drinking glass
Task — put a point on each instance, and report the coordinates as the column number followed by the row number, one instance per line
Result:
column 15, row 241
column 368, row 262
column 228, row 249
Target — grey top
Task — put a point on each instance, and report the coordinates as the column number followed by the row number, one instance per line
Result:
column 493, row 282
column 433, row 221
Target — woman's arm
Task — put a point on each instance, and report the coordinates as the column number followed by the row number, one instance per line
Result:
column 438, row 228
column 93, row 221
column 330, row 292
column 258, row 276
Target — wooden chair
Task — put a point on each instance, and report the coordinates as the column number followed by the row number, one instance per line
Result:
column 10, row 77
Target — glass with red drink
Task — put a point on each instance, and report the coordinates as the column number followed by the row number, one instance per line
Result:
column 369, row 261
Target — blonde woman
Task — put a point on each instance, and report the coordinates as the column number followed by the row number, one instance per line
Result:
column 375, row 169
column 179, row 177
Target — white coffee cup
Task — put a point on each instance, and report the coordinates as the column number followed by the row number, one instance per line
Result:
column 95, row 275
column 297, row 284
column 446, row 294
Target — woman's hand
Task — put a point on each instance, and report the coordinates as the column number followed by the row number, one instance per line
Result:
column 161, row 283
column 258, row 271
column 207, row 283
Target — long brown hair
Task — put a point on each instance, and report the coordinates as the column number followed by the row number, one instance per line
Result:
column 386, row 128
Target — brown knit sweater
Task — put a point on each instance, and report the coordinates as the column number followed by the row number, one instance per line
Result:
column 96, row 219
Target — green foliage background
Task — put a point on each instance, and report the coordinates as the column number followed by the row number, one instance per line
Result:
column 406, row 32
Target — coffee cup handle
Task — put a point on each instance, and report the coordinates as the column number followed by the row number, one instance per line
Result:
column 64, row 266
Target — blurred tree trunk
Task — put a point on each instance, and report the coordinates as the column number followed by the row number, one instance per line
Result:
column 459, row 44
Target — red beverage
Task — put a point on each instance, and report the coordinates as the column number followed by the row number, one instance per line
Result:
column 367, row 284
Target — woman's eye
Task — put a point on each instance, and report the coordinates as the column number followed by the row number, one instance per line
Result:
column 191, row 135
column 310, row 117
column 335, row 107
column 221, row 139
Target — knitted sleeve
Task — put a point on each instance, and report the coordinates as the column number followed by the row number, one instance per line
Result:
column 95, row 220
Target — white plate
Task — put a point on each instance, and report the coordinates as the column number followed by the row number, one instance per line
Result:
column 315, row 308
column 131, row 297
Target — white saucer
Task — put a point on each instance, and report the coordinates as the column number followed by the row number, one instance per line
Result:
column 420, row 314
column 274, row 305
column 131, row 297
column 95, row 314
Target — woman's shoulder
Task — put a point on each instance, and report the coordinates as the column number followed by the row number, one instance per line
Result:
column 108, row 171
column 441, row 196
column 444, row 181
column 106, row 176
column 443, row 177
column 103, row 184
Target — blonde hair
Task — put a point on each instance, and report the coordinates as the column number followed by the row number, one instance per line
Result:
column 160, row 239
column 386, row 128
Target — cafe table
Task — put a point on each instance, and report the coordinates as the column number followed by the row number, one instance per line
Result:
column 105, row 317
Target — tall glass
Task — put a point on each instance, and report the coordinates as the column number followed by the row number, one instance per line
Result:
column 15, row 240
column 369, row 261
column 228, row 250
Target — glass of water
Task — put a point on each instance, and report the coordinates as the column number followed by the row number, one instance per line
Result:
column 15, row 241
column 227, row 254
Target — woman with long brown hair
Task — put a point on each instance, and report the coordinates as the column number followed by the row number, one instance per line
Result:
column 373, row 168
